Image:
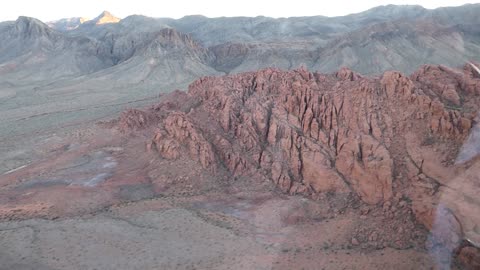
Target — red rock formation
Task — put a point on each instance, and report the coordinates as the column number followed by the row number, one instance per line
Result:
column 135, row 119
column 378, row 138
column 313, row 133
column 179, row 130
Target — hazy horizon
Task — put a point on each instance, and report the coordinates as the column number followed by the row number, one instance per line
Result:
column 209, row 8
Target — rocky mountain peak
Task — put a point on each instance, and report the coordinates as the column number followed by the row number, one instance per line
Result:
column 105, row 17
column 31, row 27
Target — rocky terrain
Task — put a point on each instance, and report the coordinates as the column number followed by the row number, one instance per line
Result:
column 60, row 74
column 298, row 168
column 398, row 37
column 393, row 140
column 295, row 145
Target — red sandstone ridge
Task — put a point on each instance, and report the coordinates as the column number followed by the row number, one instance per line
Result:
column 380, row 139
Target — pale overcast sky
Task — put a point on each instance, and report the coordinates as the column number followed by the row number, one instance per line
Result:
column 47, row 10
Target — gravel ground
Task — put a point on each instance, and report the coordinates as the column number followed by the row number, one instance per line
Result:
column 193, row 234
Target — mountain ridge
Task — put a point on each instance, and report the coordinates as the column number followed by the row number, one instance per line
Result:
column 317, row 32
column 399, row 151
column 86, row 68
column 68, row 24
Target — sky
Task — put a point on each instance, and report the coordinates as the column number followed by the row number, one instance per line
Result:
column 47, row 10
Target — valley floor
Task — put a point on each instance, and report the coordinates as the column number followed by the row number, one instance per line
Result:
column 24, row 128
column 88, row 206
column 250, row 231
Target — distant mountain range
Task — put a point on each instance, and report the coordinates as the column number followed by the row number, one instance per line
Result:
column 56, row 72
column 73, row 23
column 169, row 52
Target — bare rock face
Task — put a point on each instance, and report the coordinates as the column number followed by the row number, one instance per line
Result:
column 229, row 55
column 179, row 130
column 106, row 17
column 135, row 119
column 380, row 139
column 310, row 132
column 103, row 18
column 369, row 166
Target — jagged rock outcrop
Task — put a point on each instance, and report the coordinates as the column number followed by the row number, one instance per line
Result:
column 311, row 132
column 178, row 131
column 377, row 138
column 135, row 119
